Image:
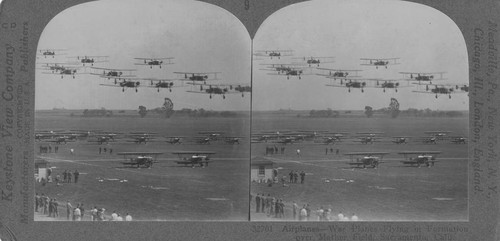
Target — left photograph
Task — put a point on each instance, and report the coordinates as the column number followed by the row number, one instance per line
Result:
column 142, row 113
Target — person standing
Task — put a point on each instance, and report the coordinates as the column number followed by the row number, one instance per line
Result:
column 69, row 176
column 128, row 217
column 298, row 152
column 295, row 209
column 37, row 202
column 257, row 203
column 82, row 211
column 65, row 176
column 114, row 215
column 303, row 214
column 291, row 176
column 76, row 174
column 77, row 214
column 100, row 150
column 55, row 208
column 302, row 177
column 295, row 176
column 69, row 209
column 93, row 214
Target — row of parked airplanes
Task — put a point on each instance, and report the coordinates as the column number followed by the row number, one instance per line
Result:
column 327, row 137
column 101, row 137
column 125, row 78
column 277, row 137
column 350, row 78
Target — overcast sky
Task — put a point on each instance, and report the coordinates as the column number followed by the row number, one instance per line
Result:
column 201, row 37
column 425, row 39
column 205, row 38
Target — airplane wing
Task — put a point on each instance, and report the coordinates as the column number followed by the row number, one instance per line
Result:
column 110, row 69
column 138, row 153
column 193, row 152
column 366, row 153
column 419, row 153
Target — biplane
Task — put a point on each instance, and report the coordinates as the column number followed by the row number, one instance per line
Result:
column 439, row 134
column 197, row 77
column 90, row 59
column 312, row 60
column 400, row 139
column 51, row 52
column 154, row 61
column 212, row 135
column 161, row 83
column 356, row 84
column 174, row 139
column 368, row 137
column 336, row 74
column 145, row 159
column 193, row 158
column 388, row 84
column 423, row 158
column 217, row 89
column 273, row 53
column 426, row 77
column 140, row 137
column 379, row 62
column 293, row 71
column 53, row 67
column 125, row 83
column 458, row 140
column 368, row 159
column 232, row 140
column 63, row 70
column 116, row 74
column 279, row 68
column 443, row 89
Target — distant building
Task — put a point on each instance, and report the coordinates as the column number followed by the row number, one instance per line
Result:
column 261, row 169
column 41, row 169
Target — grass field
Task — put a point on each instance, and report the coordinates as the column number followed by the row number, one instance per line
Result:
column 391, row 192
column 164, row 192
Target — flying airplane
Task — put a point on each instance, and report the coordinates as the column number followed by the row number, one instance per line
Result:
column 379, row 62
column 357, row 84
column 53, row 67
column 126, row 83
column 426, row 77
column 372, row 159
column 388, row 84
column 197, row 77
column 64, row 70
column 217, row 89
column 161, row 83
column 279, row 68
column 312, row 60
column 273, row 53
column 154, row 61
column 90, row 59
column 336, row 74
column 444, row 89
column 145, row 159
column 51, row 52
column 423, row 157
column 116, row 74
column 193, row 158
column 293, row 71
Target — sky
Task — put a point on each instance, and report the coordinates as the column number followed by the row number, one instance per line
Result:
column 205, row 38
column 201, row 38
column 423, row 38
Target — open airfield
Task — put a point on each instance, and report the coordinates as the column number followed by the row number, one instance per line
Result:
column 391, row 192
column 167, row 191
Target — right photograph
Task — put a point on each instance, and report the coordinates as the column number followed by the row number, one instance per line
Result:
column 360, row 112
